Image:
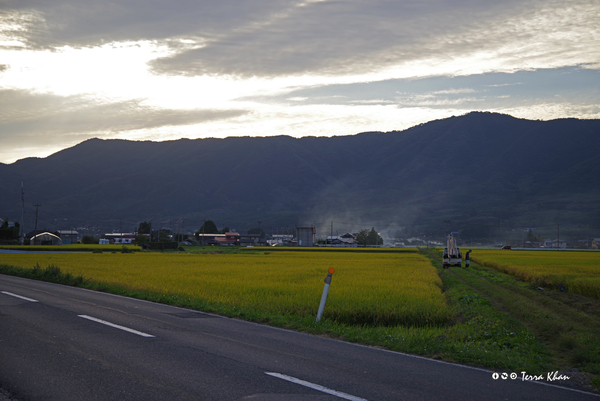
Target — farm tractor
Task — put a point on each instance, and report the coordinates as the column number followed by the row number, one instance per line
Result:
column 452, row 255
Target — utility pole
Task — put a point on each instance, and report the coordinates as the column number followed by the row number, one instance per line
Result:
column 121, row 228
column 37, row 205
column 21, row 225
column 331, row 237
column 180, row 223
column 446, row 225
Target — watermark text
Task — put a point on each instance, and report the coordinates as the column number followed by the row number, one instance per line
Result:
column 549, row 377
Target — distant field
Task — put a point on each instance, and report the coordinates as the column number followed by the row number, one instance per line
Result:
column 579, row 272
column 70, row 248
column 368, row 288
column 330, row 249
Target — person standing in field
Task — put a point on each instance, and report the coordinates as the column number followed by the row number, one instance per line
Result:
column 467, row 258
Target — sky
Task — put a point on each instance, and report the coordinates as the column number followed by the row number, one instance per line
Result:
column 71, row 70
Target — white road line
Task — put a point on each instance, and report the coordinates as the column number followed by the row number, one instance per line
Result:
column 139, row 333
column 18, row 296
column 316, row 387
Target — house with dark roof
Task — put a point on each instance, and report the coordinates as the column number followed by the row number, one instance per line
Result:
column 252, row 240
column 346, row 239
column 229, row 239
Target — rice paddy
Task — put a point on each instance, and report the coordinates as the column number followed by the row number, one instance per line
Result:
column 367, row 289
column 577, row 272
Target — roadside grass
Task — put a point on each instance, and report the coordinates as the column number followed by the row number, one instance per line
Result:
column 567, row 325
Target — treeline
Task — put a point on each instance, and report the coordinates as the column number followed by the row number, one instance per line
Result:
column 9, row 233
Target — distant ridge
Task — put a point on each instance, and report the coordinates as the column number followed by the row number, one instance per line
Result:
column 478, row 168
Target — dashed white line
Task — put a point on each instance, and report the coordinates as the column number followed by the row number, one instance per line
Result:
column 315, row 387
column 116, row 326
column 18, row 296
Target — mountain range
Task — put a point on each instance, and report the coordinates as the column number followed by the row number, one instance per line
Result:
column 474, row 170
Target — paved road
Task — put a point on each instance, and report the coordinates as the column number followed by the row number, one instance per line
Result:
column 64, row 343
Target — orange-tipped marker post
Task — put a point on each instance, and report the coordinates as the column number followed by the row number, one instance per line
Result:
column 325, row 292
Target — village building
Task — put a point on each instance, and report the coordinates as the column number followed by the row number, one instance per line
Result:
column 343, row 240
column 252, row 240
column 120, row 238
column 68, row 236
column 45, row 238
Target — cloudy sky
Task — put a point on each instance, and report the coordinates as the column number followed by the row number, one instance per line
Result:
column 157, row 70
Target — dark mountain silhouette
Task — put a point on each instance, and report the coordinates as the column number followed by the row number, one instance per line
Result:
column 479, row 168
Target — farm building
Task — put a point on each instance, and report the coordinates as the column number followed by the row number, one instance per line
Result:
column 45, row 238
column 280, row 239
column 218, row 239
column 68, row 236
column 559, row 244
column 306, row 235
column 252, row 240
column 120, row 238
column 209, row 239
column 230, row 239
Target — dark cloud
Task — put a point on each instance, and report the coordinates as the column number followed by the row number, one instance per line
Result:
column 49, row 118
column 337, row 38
column 89, row 22
column 273, row 37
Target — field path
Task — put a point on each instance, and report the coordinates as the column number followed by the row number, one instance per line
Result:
column 561, row 321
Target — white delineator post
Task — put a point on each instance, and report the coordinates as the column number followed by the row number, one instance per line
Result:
column 325, row 292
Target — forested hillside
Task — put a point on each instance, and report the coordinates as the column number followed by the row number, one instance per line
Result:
column 476, row 169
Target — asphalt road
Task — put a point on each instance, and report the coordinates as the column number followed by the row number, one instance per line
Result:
column 64, row 343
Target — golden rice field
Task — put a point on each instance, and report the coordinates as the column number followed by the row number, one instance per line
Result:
column 578, row 271
column 367, row 288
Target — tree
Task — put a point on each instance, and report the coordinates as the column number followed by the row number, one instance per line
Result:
column 373, row 238
column 368, row 237
column 209, row 227
column 144, row 227
column 142, row 239
column 165, row 235
column 88, row 239
column 257, row 230
column 361, row 236
column 9, row 233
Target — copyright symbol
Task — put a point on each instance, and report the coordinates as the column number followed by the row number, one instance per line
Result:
column 513, row 375
column 504, row 375
column 495, row 375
